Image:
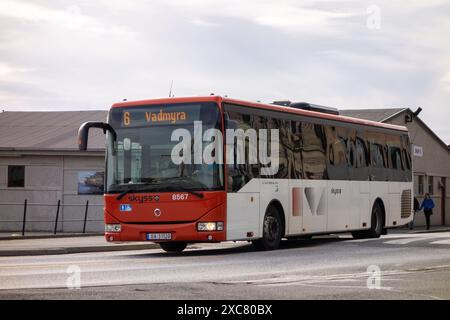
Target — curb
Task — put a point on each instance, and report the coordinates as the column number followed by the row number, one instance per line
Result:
column 429, row 231
column 70, row 250
column 418, row 231
column 73, row 235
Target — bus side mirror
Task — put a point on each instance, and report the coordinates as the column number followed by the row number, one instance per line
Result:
column 83, row 133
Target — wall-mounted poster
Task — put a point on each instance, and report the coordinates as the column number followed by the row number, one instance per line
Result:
column 90, row 182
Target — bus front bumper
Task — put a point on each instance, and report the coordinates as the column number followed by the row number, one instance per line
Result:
column 180, row 231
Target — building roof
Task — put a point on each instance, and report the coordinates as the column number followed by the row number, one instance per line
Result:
column 379, row 115
column 48, row 130
column 383, row 115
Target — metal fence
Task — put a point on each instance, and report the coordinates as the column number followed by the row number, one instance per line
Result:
column 57, row 207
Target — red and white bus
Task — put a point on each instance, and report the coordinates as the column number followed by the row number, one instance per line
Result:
column 334, row 174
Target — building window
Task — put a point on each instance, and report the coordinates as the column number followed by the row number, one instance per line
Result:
column 431, row 185
column 421, row 178
column 16, row 176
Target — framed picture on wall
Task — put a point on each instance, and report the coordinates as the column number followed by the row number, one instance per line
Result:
column 91, row 182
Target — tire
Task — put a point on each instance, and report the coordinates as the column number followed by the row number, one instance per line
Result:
column 173, row 246
column 273, row 231
column 376, row 226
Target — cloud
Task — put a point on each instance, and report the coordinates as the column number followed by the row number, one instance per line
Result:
column 445, row 81
column 288, row 16
column 7, row 70
column 203, row 23
column 69, row 17
column 88, row 54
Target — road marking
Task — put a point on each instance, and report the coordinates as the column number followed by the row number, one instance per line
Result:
column 404, row 241
column 441, row 242
column 295, row 279
column 343, row 281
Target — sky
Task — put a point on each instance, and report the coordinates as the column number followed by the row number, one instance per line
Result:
column 84, row 55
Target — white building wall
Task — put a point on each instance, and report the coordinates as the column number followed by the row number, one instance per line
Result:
column 434, row 162
column 48, row 179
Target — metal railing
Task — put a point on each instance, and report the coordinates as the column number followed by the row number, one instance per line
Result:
column 58, row 206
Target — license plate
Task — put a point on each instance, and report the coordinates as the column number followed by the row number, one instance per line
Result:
column 159, row 236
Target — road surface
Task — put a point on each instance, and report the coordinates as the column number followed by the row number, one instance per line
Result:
column 396, row 266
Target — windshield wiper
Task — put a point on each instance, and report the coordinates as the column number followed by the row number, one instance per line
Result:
column 129, row 190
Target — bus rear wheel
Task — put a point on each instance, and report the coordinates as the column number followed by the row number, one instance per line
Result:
column 376, row 227
column 173, row 246
column 273, row 231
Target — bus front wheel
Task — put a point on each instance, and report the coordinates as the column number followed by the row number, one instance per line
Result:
column 273, row 231
column 173, row 246
column 376, row 227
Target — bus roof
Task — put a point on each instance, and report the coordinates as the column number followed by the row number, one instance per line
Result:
column 273, row 107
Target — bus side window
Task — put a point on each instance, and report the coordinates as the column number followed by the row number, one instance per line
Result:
column 297, row 144
column 337, row 153
column 351, row 149
column 284, row 167
column 396, row 159
column 239, row 173
column 313, row 151
column 362, row 154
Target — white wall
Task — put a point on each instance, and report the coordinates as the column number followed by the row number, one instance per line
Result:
column 434, row 162
column 47, row 180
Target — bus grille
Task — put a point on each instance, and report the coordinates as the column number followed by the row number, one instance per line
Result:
column 406, row 203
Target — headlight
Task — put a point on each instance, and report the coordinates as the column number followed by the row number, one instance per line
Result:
column 113, row 228
column 210, row 226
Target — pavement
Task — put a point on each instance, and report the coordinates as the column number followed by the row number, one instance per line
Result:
column 43, row 235
column 50, row 245
column 400, row 265
column 41, row 243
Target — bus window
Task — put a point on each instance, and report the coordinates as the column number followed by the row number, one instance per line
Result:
column 376, row 152
column 313, row 151
column 396, row 158
column 286, row 156
column 239, row 174
column 362, row 157
column 351, row 149
column 288, row 141
column 297, row 145
column 337, row 152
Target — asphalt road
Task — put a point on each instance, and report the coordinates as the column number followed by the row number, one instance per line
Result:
column 410, row 266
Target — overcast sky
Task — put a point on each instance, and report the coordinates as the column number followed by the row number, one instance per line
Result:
column 72, row 55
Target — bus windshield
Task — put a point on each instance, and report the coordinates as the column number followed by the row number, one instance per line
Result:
column 140, row 159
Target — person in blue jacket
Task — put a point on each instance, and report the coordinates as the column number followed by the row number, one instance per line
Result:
column 427, row 206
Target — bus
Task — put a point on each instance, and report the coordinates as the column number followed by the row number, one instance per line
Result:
column 279, row 171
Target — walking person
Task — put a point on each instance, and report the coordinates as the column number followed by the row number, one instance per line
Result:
column 427, row 206
column 416, row 208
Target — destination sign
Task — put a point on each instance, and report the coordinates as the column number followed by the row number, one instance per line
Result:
column 137, row 117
